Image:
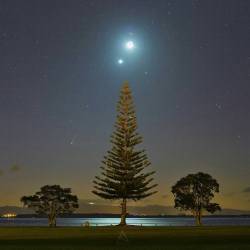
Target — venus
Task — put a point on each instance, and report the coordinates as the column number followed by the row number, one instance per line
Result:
column 120, row 61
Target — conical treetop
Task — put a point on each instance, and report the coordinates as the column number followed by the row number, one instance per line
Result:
column 122, row 171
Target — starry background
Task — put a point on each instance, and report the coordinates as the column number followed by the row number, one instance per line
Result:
column 60, row 81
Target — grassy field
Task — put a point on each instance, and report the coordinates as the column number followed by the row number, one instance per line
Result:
column 137, row 238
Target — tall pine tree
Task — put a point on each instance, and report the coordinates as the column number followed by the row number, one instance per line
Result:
column 122, row 173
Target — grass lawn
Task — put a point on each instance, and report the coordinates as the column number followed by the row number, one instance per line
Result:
column 140, row 238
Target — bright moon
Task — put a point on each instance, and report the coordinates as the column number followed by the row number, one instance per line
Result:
column 130, row 45
column 120, row 61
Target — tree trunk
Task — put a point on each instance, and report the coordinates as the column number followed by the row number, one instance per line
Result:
column 198, row 218
column 124, row 212
column 52, row 220
column 200, row 224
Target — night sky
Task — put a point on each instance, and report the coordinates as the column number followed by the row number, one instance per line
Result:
column 60, row 81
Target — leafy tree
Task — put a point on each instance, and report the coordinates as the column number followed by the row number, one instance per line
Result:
column 122, row 173
column 194, row 193
column 52, row 201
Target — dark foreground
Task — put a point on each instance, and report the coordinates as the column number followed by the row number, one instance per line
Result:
column 140, row 238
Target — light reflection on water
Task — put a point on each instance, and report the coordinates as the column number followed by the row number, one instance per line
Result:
column 176, row 221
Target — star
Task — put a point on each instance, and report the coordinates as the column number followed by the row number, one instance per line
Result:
column 218, row 106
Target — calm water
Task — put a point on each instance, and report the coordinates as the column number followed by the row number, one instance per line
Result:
column 222, row 221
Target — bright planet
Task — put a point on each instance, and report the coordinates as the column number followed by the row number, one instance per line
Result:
column 120, row 61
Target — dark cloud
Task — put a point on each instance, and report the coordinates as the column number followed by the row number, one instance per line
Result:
column 246, row 190
column 15, row 168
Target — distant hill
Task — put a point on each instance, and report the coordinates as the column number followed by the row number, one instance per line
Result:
column 136, row 210
column 228, row 211
column 146, row 210
column 15, row 209
column 89, row 208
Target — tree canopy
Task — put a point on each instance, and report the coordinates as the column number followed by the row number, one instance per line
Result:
column 194, row 193
column 52, row 201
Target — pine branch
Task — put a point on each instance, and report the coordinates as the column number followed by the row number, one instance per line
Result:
column 123, row 167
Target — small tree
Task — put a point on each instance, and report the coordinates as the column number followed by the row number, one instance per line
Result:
column 194, row 193
column 52, row 201
column 123, row 176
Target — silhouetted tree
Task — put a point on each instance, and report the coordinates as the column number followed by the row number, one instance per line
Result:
column 123, row 176
column 52, row 201
column 194, row 193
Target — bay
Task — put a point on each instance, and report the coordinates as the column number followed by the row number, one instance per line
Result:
column 166, row 221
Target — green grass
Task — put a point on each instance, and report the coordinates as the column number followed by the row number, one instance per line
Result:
column 138, row 238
